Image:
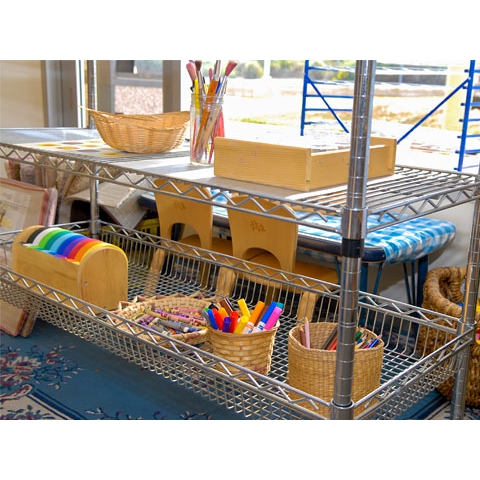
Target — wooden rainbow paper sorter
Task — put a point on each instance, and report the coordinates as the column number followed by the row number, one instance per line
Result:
column 80, row 266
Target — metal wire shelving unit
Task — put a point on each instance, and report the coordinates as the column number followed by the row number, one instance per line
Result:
column 408, row 373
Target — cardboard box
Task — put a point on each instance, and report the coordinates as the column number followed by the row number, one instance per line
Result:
column 299, row 168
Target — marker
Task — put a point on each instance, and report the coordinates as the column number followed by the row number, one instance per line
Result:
column 225, row 303
column 218, row 318
column 272, row 321
column 226, row 324
column 223, row 312
column 261, row 324
column 241, row 324
column 257, row 311
column 234, row 323
column 243, row 307
column 211, row 319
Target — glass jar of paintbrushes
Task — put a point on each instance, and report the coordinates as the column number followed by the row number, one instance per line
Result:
column 206, row 124
column 206, row 110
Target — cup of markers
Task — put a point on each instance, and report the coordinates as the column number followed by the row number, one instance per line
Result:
column 243, row 336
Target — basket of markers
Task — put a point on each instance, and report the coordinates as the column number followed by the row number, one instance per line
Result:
column 244, row 337
column 178, row 316
column 312, row 361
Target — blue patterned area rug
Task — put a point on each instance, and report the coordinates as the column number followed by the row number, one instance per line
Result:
column 53, row 374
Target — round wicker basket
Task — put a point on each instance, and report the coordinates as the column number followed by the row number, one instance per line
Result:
column 249, row 350
column 134, row 309
column 142, row 133
column 442, row 291
column 312, row 370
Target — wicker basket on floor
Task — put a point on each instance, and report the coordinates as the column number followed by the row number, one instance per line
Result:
column 312, row 370
column 141, row 133
column 136, row 309
column 442, row 292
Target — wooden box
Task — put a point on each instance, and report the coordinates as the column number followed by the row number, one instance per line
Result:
column 82, row 267
column 298, row 168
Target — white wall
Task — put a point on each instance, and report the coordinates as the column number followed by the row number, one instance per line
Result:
column 21, row 94
column 392, row 283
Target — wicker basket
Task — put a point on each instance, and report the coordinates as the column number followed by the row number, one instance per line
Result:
column 142, row 133
column 134, row 309
column 249, row 350
column 442, row 291
column 312, row 370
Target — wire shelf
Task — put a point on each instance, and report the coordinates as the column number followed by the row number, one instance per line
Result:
column 408, row 373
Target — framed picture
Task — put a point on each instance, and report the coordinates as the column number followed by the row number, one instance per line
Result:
column 21, row 205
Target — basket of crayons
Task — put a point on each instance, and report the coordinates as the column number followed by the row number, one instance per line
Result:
column 177, row 316
column 312, row 359
column 243, row 337
column 141, row 133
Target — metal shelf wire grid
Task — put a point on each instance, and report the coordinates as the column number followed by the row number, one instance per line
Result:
column 411, row 192
column 408, row 373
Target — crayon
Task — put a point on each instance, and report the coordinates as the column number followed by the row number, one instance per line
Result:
column 175, row 325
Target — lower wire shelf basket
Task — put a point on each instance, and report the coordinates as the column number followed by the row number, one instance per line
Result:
column 408, row 373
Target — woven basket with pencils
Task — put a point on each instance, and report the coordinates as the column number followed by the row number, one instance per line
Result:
column 249, row 350
column 442, row 292
column 136, row 309
column 142, row 133
column 312, row 370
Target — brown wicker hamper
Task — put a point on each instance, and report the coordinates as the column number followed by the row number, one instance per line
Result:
column 442, row 292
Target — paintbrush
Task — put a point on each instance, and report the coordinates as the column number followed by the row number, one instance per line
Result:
column 192, row 72
column 228, row 70
column 201, row 81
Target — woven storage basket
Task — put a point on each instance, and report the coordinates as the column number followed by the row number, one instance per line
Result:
column 442, row 291
column 141, row 133
column 312, row 370
column 249, row 350
column 134, row 309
